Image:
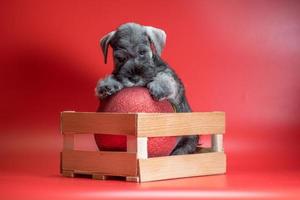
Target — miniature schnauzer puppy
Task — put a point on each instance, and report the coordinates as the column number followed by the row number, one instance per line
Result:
column 137, row 62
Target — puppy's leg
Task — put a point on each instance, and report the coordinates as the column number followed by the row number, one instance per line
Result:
column 186, row 145
column 166, row 85
column 107, row 87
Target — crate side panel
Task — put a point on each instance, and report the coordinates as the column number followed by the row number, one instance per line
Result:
column 92, row 122
column 107, row 163
column 182, row 166
column 172, row 124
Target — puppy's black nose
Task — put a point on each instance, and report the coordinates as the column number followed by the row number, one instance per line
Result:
column 134, row 79
column 138, row 69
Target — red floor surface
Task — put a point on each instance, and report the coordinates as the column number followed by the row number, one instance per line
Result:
column 30, row 170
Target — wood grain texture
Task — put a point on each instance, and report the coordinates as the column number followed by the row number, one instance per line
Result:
column 68, row 173
column 133, row 179
column 173, row 124
column 68, row 143
column 99, row 177
column 92, row 122
column 169, row 167
column 105, row 163
column 217, row 142
column 138, row 145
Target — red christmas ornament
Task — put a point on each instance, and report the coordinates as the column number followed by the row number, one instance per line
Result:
column 135, row 99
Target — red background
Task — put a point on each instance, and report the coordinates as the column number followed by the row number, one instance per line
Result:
column 241, row 57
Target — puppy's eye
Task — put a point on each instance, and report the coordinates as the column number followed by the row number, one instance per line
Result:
column 142, row 52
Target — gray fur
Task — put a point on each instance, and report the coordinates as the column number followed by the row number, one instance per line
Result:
column 158, row 37
column 137, row 64
column 104, row 43
column 164, row 86
column 107, row 87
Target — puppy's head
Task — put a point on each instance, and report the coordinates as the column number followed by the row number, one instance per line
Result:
column 135, row 48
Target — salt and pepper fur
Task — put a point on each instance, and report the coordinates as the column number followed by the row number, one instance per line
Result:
column 137, row 62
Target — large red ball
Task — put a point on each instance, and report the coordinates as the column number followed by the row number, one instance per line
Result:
column 135, row 99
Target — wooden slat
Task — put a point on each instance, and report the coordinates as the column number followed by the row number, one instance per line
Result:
column 68, row 143
column 106, row 163
column 172, row 124
column 138, row 145
column 133, row 179
column 217, row 142
column 99, row 176
column 182, row 166
column 68, row 173
column 92, row 122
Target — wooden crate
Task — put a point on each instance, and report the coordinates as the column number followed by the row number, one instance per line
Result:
column 134, row 164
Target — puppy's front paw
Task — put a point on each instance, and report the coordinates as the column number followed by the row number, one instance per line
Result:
column 107, row 87
column 157, row 91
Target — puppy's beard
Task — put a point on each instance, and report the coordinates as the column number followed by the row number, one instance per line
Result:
column 127, row 83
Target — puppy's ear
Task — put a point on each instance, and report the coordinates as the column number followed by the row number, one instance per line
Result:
column 104, row 42
column 157, row 37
